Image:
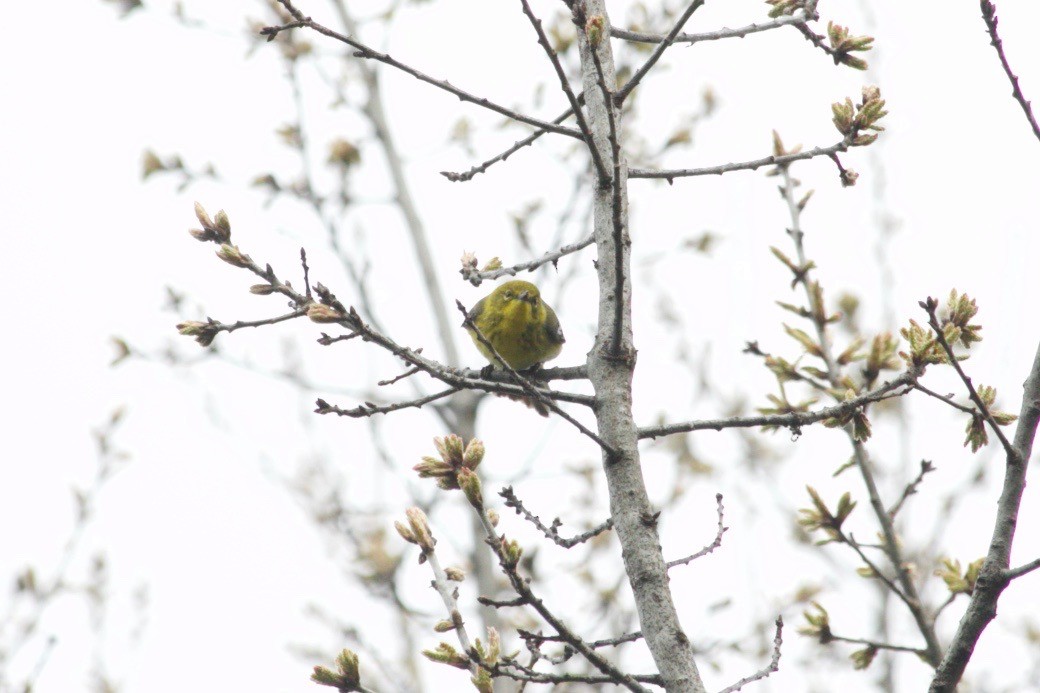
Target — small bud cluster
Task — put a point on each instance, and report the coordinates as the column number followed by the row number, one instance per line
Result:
column 852, row 120
column 347, row 676
column 456, row 468
column 843, row 44
column 216, row 229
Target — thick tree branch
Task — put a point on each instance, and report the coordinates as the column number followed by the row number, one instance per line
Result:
column 994, row 575
column 611, row 376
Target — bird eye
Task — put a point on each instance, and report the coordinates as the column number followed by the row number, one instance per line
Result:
column 509, row 294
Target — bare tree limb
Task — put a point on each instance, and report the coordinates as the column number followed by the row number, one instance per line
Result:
column 989, row 15
column 579, row 116
column 668, row 40
column 476, row 278
column 671, row 174
column 710, row 547
column 363, row 51
column 772, row 667
column 994, row 575
column 642, row 37
column 793, row 420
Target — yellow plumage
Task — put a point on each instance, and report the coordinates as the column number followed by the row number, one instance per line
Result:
column 523, row 329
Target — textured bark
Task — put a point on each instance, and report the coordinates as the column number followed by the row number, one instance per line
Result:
column 611, row 374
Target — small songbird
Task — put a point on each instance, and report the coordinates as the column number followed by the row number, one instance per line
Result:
column 523, row 329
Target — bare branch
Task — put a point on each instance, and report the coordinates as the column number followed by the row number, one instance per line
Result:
column 579, row 116
column 669, row 39
column 989, row 15
column 710, row 547
column 911, row 488
column 370, row 409
column 517, row 146
column 933, row 321
column 772, row 667
column 671, row 174
column 994, row 575
column 1025, row 569
column 793, row 420
column 642, row 37
column 552, row 532
column 476, row 278
column 363, row 51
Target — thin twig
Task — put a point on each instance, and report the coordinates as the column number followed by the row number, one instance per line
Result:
column 989, row 15
column 552, row 532
column 669, row 39
column 476, row 278
column 1013, row 573
column 517, row 146
column 911, row 488
column 364, row 51
column 933, row 321
column 724, row 33
column 716, row 543
column 773, row 160
column 579, row 116
column 371, row 409
column 523, row 589
column 877, row 645
column 772, row 667
column 907, row 590
column 793, row 420
column 948, row 399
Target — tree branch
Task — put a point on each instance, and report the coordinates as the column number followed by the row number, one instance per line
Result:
column 989, row 15
column 671, row 174
column 994, row 574
column 793, row 420
column 363, row 51
column 477, row 278
column 668, row 40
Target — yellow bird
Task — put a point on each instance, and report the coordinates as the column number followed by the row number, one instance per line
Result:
column 516, row 321
column 523, row 329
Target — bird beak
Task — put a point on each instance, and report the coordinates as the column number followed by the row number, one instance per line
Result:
column 524, row 296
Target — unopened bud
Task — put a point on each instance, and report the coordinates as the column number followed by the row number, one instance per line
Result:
column 203, row 216
column 469, row 482
column 420, row 526
column 594, row 29
column 319, row 312
column 454, row 574
column 473, row 454
column 262, row 289
column 444, row 626
column 405, row 533
column 222, row 227
column 233, row 256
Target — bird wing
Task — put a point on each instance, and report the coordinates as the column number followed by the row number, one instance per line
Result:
column 552, row 327
column 477, row 309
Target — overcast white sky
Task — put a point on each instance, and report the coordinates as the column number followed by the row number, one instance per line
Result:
column 201, row 517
